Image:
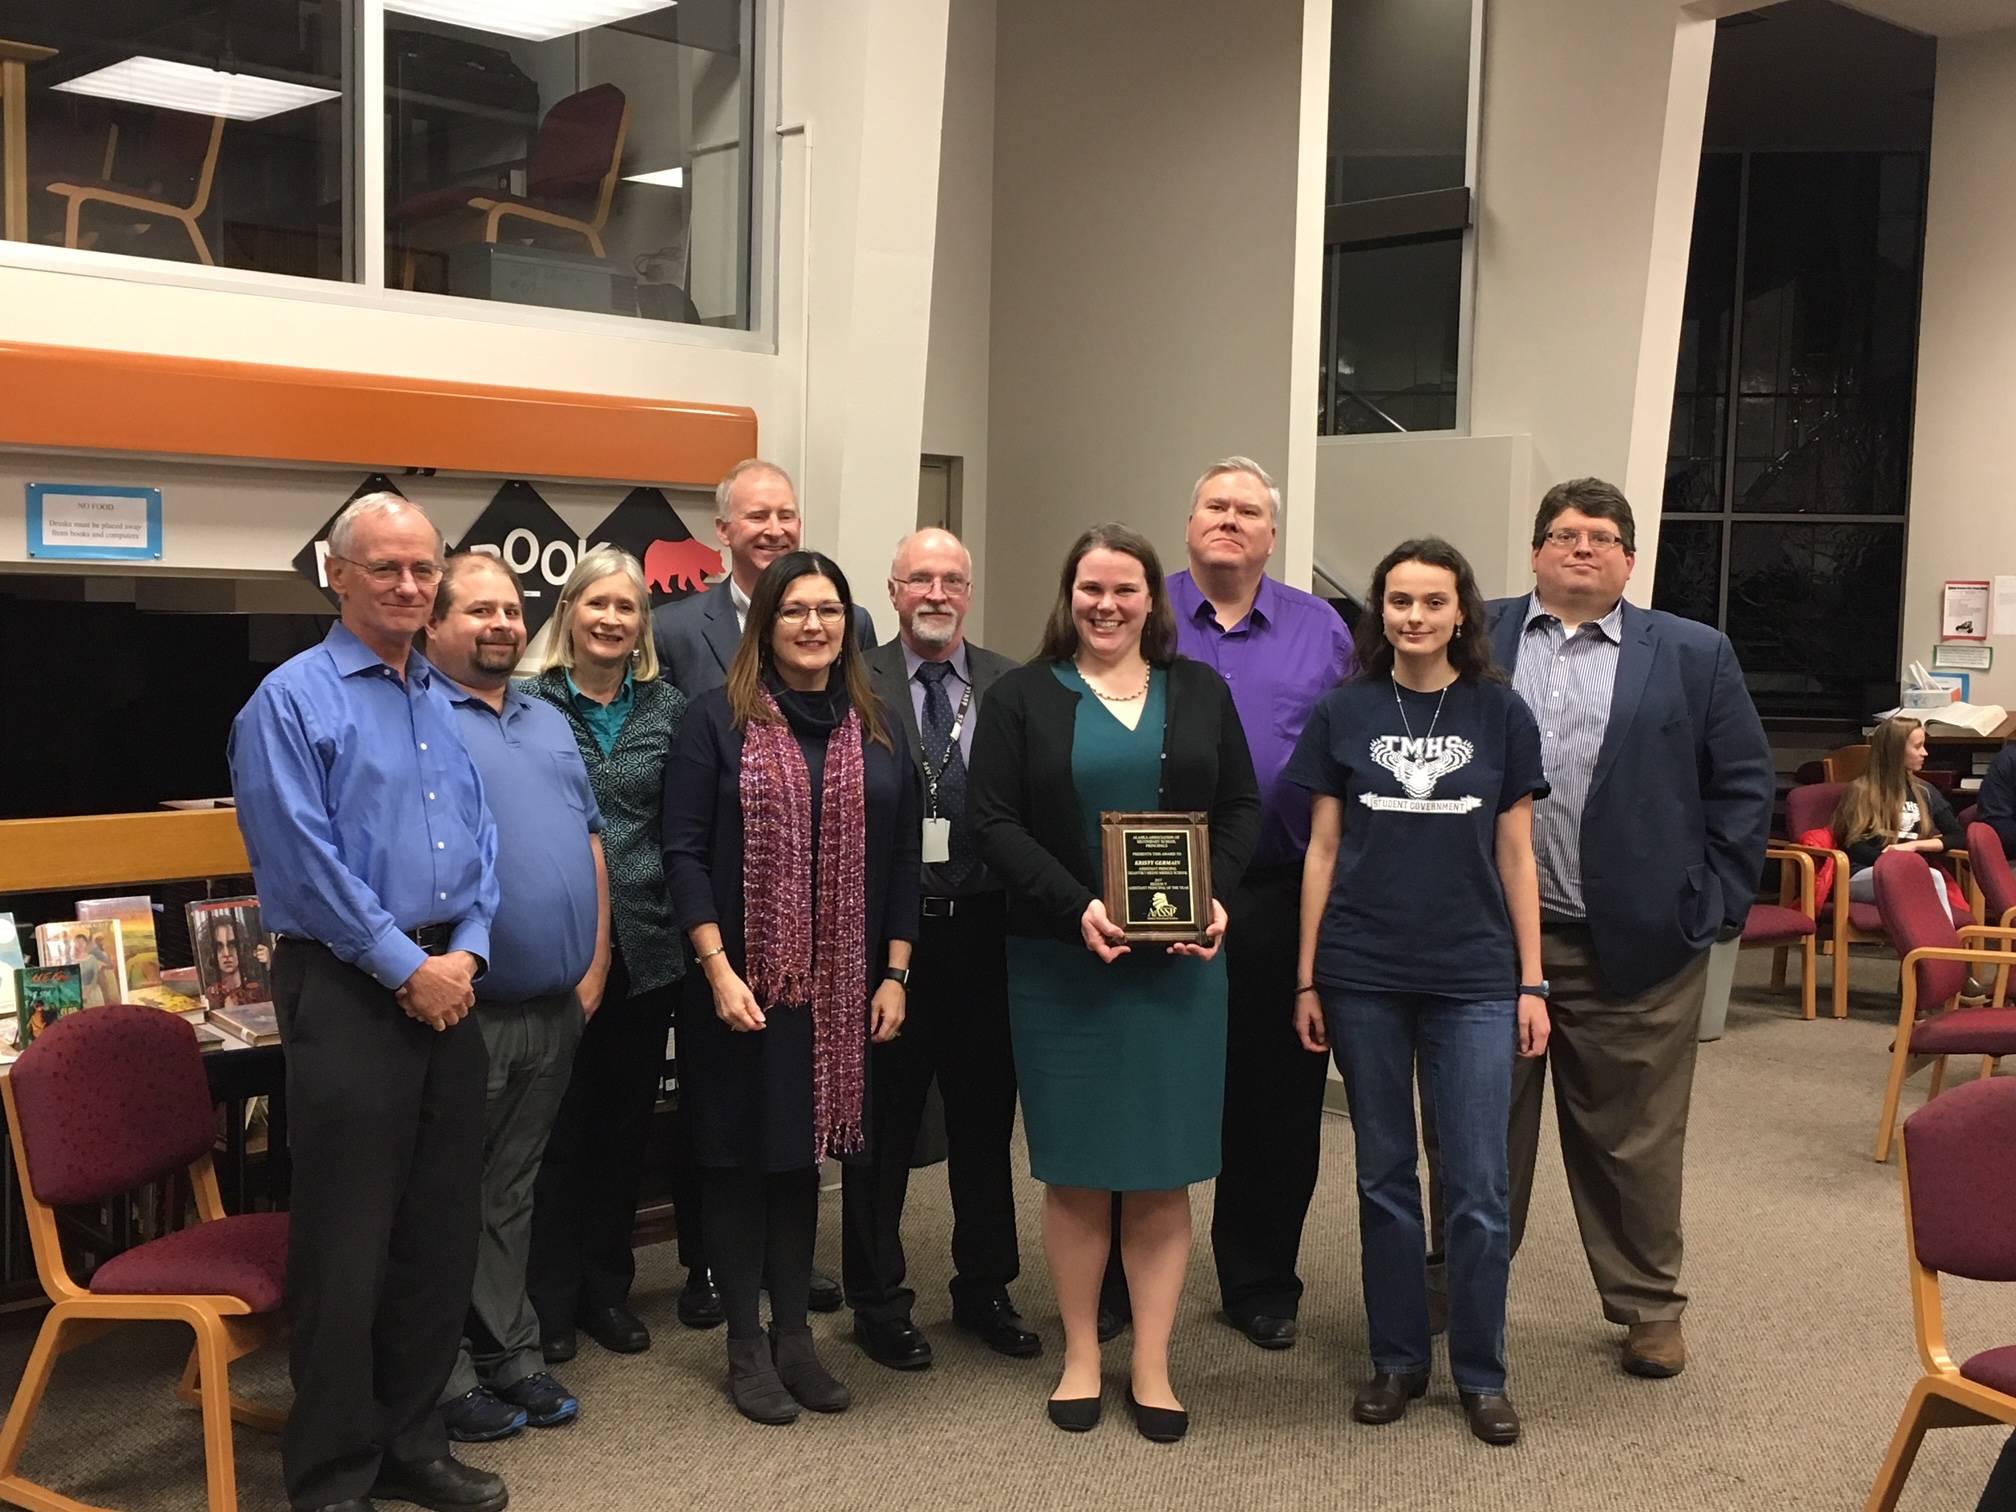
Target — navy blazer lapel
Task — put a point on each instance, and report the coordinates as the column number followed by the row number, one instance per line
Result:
column 885, row 674
column 1505, row 631
column 723, row 634
column 1634, row 665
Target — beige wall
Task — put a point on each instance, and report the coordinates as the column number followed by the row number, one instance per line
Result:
column 1145, row 178
column 1585, row 198
column 956, row 376
column 1963, row 493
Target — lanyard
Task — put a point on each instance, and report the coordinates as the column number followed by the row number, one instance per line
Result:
column 931, row 777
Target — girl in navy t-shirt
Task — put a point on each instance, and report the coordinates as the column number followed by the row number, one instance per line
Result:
column 1421, row 938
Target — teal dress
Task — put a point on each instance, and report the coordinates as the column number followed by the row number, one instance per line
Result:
column 1121, row 1066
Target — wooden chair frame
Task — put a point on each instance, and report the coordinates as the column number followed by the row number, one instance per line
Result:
column 226, row 1330
column 1797, row 881
column 1903, row 1064
column 495, row 212
column 1837, row 934
column 1942, row 1397
column 80, row 195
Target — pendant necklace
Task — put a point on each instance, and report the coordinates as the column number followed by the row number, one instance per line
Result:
column 1403, row 709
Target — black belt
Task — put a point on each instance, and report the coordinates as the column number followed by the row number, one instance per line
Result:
column 432, row 938
column 946, row 908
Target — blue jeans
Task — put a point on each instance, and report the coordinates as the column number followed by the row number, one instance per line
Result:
column 1466, row 1052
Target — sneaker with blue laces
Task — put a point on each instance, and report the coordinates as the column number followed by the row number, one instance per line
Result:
column 546, row 1403
column 478, row 1416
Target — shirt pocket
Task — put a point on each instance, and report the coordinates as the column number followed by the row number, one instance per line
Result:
column 571, row 777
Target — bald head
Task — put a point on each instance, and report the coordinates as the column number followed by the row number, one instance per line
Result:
column 931, row 585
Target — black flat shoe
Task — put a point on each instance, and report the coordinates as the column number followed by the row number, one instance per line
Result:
column 443, row 1485
column 1111, row 1324
column 1384, row 1398
column 826, row 1296
column 616, row 1329
column 1266, row 1332
column 896, row 1343
column 700, row 1301
column 1075, row 1414
column 1159, row 1425
column 559, row 1348
column 997, row 1325
column 1491, row 1417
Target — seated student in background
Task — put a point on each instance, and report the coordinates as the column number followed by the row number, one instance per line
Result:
column 1998, row 799
column 1423, row 770
column 1889, row 808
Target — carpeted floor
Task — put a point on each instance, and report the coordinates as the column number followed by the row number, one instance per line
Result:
column 1800, row 1330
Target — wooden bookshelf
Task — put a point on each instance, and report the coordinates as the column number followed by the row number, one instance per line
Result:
column 99, row 850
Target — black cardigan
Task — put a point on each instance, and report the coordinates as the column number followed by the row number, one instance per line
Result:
column 1024, row 805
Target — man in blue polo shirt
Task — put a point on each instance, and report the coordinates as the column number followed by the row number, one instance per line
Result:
column 375, row 859
column 549, row 960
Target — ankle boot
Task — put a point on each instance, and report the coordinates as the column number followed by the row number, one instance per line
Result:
column 803, row 1376
column 753, row 1384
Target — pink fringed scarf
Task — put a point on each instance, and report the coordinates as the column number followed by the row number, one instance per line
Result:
column 794, row 957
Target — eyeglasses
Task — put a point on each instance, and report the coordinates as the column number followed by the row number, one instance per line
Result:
column 951, row 582
column 1599, row 540
column 387, row 573
column 794, row 614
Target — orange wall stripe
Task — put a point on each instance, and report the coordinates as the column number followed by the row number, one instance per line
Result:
column 74, row 398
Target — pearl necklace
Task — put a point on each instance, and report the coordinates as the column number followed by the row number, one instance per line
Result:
column 1147, row 676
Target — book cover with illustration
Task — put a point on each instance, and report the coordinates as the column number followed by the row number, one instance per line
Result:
column 234, row 956
column 96, row 947
column 138, row 935
column 46, row 994
column 10, row 959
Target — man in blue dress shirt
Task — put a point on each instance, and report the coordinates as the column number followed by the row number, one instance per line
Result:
column 375, row 858
column 548, row 963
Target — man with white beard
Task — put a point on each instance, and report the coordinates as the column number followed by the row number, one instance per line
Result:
column 932, row 680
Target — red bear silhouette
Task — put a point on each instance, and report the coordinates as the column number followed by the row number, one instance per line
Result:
column 684, row 564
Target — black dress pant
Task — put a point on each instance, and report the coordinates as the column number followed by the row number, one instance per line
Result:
column 386, row 1132
column 584, row 1204
column 956, row 1027
column 1273, row 1126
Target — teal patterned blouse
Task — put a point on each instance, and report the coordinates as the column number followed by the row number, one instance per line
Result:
column 629, row 783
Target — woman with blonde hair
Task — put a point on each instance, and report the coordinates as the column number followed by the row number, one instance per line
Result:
column 598, row 668
column 1889, row 808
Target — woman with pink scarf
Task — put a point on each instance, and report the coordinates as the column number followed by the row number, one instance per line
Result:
column 791, row 850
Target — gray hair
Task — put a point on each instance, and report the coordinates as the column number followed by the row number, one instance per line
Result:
column 904, row 545
column 1246, row 465
column 725, row 489
column 343, row 529
column 597, row 563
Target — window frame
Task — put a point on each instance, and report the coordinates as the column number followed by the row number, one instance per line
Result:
column 364, row 227
column 1411, row 219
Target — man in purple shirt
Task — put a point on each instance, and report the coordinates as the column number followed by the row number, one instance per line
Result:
column 1280, row 650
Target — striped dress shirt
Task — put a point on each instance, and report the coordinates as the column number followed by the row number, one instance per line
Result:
column 1566, row 681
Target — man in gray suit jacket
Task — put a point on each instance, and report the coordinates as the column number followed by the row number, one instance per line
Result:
column 931, row 679
column 756, row 519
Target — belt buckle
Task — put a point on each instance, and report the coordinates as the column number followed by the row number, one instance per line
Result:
column 940, row 908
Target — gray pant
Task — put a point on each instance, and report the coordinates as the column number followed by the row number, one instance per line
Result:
column 531, row 1047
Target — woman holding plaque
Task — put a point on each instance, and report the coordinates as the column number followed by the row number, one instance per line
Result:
column 1420, row 940
column 1119, row 1047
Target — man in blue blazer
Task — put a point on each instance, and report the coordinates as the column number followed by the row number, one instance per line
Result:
column 1650, row 845
column 756, row 518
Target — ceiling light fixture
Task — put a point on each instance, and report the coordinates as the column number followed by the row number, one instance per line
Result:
column 200, row 91
column 665, row 178
column 528, row 20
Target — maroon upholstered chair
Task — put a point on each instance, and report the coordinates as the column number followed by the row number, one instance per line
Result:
column 1809, row 820
column 1959, row 1220
column 570, row 181
column 103, row 1102
column 1936, row 958
column 1996, row 885
column 1793, row 921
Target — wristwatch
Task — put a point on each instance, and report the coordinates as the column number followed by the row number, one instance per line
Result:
column 1538, row 989
column 900, row 975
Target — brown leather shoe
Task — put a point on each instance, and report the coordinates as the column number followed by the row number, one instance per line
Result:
column 1656, row 1350
column 1491, row 1417
column 1384, row 1398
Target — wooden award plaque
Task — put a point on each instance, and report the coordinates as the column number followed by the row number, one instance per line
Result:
column 1158, row 876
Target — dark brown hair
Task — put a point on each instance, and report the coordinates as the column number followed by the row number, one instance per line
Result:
column 1469, row 651
column 451, row 572
column 1592, row 497
column 1158, row 630
column 754, row 656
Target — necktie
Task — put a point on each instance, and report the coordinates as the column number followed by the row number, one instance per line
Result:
column 944, row 757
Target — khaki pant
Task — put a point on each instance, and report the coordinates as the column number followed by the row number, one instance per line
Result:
column 1623, row 1079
